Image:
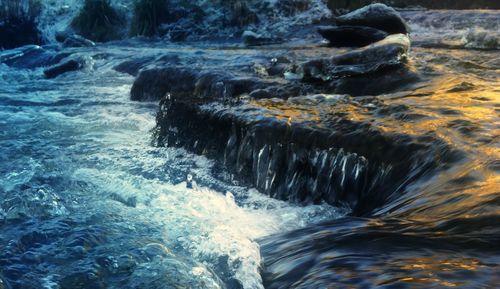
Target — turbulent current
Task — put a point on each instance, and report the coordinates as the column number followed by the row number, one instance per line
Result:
column 85, row 194
column 88, row 199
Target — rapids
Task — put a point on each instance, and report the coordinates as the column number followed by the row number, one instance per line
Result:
column 93, row 194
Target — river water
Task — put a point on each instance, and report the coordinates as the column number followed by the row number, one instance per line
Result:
column 86, row 196
column 88, row 202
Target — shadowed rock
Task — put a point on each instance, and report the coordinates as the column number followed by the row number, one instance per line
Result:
column 153, row 84
column 66, row 66
column 351, row 36
column 303, row 147
column 379, row 16
column 133, row 66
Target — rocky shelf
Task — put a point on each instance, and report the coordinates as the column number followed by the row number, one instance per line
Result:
column 302, row 124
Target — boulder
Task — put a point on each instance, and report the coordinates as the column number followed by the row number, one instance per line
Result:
column 379, row 16
column 155, row 83
column 351, row 36
column 66, row 66
column 390, row 52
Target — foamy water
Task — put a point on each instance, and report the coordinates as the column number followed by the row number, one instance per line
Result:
column 77, row 147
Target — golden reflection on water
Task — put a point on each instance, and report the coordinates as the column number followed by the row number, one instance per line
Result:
column 432, row 271
column 463, row 111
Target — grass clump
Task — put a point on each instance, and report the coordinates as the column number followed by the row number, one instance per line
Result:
column 241, row 14
column 18, row 25
column 148, row 16
column 15, row 10
column 98, row 21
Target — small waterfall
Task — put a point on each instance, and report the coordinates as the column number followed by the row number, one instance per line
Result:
column 291, row 172
column 272, row 158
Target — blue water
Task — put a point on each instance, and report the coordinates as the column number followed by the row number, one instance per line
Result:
column 86, row 200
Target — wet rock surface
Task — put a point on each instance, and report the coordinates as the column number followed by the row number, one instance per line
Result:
column 365, row 129
column 64, row 67
column 295, row 140
column 304, row 149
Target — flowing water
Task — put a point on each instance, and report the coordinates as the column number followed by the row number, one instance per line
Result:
column 86, row 198
column 88, row 202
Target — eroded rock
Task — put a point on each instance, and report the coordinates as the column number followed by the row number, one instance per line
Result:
column 378, row 65
column 305, row 149
column 64, row 67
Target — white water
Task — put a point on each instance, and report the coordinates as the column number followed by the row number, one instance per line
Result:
column 102, row 140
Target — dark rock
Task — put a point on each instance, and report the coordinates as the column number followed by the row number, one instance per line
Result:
column 379, row 16
column 67, row 66
column 225, row 86
column 77, row 41
column 357, row 71
column 29, row 56
column 351, row 36
column 278, row 69
column 305, row 150
column 153, row 84
column 156, row 83
column 133, row 66
column 283, row 91
column 383, row 81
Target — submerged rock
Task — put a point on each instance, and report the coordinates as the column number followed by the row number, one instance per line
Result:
column 66, row 66
column 77, row 41
column 379, row 16
column 133, row 66
column 351, row 36
column 22, row 56
column 251, row 38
